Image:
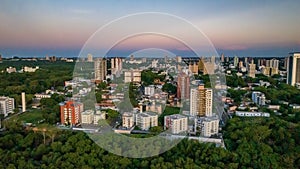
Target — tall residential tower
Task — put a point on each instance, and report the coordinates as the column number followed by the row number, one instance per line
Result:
column 293, row 69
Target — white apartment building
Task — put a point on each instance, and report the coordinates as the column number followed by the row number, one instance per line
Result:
column 194, row 102
column 176, row 123
column 146, row 120
column 150, row 90
column 7, row 105
column 207, row 126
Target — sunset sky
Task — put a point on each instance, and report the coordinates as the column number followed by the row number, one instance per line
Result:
column 61, row 28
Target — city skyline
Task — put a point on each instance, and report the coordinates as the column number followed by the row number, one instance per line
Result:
column 61, row 28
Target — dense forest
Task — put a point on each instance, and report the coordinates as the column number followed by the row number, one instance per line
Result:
column 50, row 75
column 250, row 143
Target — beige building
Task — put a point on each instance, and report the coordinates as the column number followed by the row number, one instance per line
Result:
column 201, row 101
column 100, row 115
column 176, row 123
column 210, row 127
column 100, row 69
column 146, row 120
column 116, row 66
column 127, row 119
column 87, row 117
column 132, row 76
column 252, row 69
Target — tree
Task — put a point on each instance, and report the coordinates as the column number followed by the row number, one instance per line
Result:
column 170, row 88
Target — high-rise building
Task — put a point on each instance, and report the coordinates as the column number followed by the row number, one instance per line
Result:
column 222, row 57
column 100, row 69
column 293, row 69
column 274, row 64
column 227, row 59
column 70, row 112
column 235, row 61
column 146, row 120
column 183, row 86
column 7, row 105
column 201, row 101
column 266, row 70
column 252, row 69
column 241, row 64
column 116, row 66
column 23, row 97
column 90, row 58
column 205, row 101
column 127, row 119
column 194, row 102
column 176, row 123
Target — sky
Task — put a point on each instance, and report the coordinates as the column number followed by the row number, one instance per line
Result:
column 61, row 28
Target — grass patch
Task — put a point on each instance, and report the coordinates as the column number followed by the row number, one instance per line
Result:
column 29, row 117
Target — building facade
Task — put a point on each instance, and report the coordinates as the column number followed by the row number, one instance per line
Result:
column 252, row 69
column 176, row 123
column 87, row 117
column 207, row 126
column 201, row 101
column 150, row 90
column 293, row 69
column 70, row 112
column 127, row 119
column 183, row 86
column 100, row 67
column 146, row 120
column 7, row 105
column 132, row 76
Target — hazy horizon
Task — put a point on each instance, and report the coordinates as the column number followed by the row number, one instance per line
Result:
column 61, row 28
